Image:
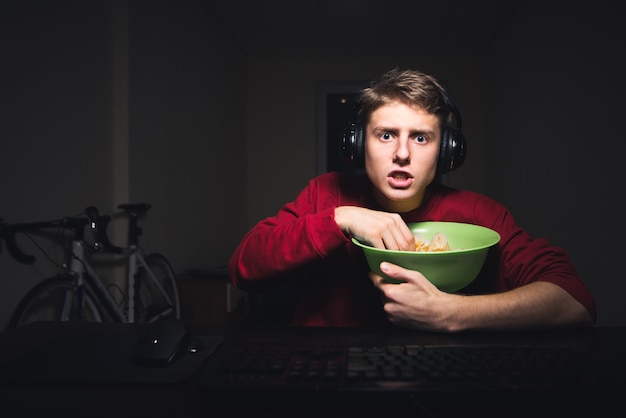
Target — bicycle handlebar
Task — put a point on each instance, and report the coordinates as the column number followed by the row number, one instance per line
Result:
column 97, row 224
column 8, row 233
column 77, row 224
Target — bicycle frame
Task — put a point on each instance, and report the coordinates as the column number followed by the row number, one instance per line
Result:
column 79, row 265
column 84, row 272
column 79, row 293
column 137, row 257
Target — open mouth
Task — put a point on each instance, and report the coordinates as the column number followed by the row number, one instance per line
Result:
column 400, row 179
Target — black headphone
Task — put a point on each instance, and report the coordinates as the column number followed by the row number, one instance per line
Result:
column 452, row 151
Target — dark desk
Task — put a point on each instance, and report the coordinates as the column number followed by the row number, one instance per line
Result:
column 93, row 384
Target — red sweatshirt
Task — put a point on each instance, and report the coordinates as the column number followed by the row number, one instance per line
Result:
column 302, row 242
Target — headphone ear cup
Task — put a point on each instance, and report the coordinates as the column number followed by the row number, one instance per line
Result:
column 452, row 151
column 352, row 149
column 443, row 161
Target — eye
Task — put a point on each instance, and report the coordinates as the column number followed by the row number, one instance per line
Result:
column 421, row 139
column 385, row 136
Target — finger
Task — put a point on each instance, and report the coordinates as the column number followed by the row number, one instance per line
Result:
column 394, row 271
column 390, row 241
column 406, row 238
column 396, row 239
column 377, row 279
column 377, row 243
column 402, row 236
column 405, row 242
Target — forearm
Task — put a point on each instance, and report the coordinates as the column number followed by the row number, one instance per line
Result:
column 278, row 246
column 536, row 305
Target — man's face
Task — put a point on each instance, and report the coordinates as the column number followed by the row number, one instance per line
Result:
column 401, row 151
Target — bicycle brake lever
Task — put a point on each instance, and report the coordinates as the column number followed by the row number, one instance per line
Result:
column 92, row 214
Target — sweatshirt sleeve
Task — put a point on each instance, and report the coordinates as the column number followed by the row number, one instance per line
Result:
column 302, row 231
column 525, row 259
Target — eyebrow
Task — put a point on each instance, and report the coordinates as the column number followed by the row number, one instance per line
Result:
column 395, row 131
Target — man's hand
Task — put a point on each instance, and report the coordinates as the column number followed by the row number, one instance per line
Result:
column 415, row 303
column 378, row 229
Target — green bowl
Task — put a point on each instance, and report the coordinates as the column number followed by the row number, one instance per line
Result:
column 449, row 270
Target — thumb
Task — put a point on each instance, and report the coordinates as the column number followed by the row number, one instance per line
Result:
column 393, row 271
column 399, row 274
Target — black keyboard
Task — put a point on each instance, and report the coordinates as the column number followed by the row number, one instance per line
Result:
column 408, row 380
column 412, row 367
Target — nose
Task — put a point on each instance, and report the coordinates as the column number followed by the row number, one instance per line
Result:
column 402, row 153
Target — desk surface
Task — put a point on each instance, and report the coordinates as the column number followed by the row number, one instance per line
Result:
column 159, row 395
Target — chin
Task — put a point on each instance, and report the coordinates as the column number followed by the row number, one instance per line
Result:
column 403, row 201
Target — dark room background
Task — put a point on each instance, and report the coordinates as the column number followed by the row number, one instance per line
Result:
column 113, row 101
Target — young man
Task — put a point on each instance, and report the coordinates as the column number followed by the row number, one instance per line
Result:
column 407, row 135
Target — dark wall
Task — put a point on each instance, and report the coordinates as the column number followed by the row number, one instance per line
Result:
column 555, row 150
column 109, row 101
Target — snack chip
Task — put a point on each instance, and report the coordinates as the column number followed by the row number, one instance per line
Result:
column 439, row 242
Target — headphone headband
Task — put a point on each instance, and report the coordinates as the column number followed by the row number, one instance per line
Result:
column 452, row 150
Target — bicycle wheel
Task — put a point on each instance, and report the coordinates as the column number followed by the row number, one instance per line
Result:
column 157, row 290
column 54, row 299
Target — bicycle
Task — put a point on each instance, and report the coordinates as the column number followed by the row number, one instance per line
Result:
column 78, row 293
